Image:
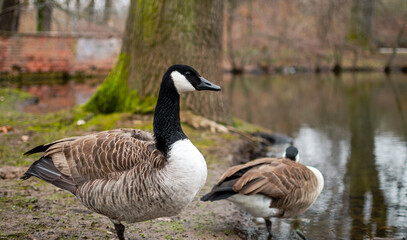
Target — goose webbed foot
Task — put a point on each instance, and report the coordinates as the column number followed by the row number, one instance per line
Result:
column 268, row 225
column 119, row 229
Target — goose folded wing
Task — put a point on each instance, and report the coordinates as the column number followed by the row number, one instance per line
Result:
column 239, row 170
column 276, row 180
column 104, row 154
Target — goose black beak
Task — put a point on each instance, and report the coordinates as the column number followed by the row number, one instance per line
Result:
column 206, row 85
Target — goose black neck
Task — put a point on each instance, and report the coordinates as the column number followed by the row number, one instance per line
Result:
column 167, row 124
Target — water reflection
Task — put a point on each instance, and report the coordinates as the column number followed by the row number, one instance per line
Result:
column 398, row 101
column 243, row 84
column 351, row 128
column 367, row 206
column 54, row 94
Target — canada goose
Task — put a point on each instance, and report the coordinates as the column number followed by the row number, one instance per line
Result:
column 270, row 187
column 127, row 174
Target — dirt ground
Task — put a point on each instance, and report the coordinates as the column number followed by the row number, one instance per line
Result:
column 37, row 210
column 34, row 209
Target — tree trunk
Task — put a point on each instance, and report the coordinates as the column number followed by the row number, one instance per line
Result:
column 231, row 4
column 10, row 15
column 44, row 15
column 90, row 11
column 107, row 11
column 75, row 16
column 67, row 16
column 361, row 26
column 162, row 33
column 338, row 56
column 387, row 67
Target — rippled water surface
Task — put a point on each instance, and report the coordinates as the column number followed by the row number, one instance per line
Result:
column 354, row 130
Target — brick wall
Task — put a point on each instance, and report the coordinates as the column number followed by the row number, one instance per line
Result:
column 47, row 53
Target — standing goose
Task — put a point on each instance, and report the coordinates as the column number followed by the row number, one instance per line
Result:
column 270, row 187
column 127, row 174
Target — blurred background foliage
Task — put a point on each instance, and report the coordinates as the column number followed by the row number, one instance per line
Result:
column 257, row 34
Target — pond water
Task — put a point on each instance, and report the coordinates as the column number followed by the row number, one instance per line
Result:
column 54, row 94
column 352, row 128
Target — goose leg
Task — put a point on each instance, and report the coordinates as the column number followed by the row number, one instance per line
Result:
column 301, row 235
column 119, row 229
column 268, row 225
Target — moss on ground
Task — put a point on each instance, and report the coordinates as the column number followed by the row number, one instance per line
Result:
column 245, row 126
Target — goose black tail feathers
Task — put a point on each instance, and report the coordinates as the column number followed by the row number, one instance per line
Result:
column 219, row 193
column 41, row 148
column 45, row 169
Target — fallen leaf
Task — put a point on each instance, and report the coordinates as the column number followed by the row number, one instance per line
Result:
column 24, row 138
column 6, row 129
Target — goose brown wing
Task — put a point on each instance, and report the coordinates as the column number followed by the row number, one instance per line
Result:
column 104, row 154
column 239, row 170
column 226, row 186
column 276, row 179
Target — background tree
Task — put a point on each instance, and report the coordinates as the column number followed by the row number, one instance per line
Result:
column 44, row 15
column 159, row 34
column 398, row 22
column 107, row 11
column 9, row 15
column 90, row 10
column 361, row 27
column 76, row 15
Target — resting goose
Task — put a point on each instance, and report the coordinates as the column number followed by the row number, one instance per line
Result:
column 128, row 174
column 270, row 187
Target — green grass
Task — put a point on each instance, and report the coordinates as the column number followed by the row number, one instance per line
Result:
column 245, row 126
column 174, row 226
column 42, row 128
column 104, row 122
column 8, row 103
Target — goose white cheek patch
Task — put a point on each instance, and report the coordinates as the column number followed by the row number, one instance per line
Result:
column 181, row 83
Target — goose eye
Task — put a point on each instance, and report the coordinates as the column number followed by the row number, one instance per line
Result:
column 187, row 73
